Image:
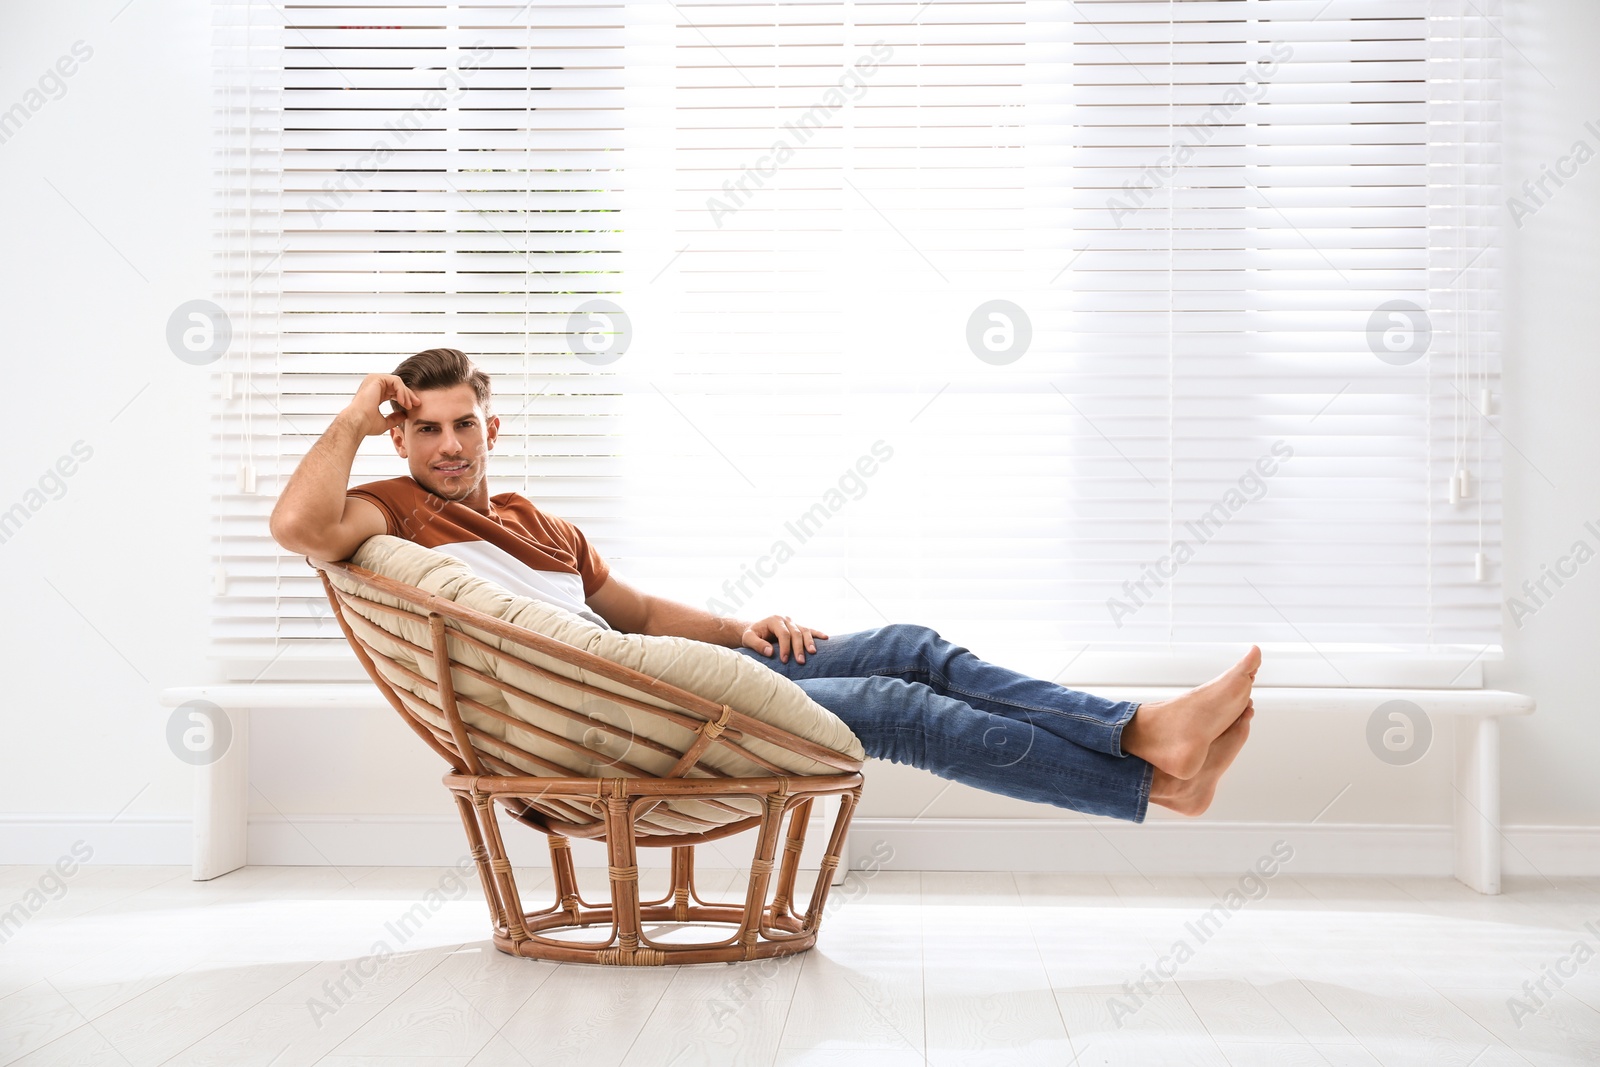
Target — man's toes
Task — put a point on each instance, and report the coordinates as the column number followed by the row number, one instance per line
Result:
column 1244, row 672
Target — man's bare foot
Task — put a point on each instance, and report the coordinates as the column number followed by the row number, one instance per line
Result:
column 1175, row 735
column 1192, row 796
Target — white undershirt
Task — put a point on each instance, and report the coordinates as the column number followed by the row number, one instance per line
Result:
column 514, row 576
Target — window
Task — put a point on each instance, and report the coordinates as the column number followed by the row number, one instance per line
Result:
column 1127, row 327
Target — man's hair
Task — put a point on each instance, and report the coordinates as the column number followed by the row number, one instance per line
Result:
column 441, row 368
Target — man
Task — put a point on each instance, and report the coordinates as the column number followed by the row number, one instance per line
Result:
column 909, row 695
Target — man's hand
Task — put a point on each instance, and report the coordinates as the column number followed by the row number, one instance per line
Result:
column 313, row 516
column 364, row 408
column 789, row 636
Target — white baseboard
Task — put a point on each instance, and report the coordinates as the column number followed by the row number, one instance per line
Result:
column 1077, row 845
column 1084, row 846
column 421, row 841
column 129, row 840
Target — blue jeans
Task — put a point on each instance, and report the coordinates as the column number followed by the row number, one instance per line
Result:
column 913, row 697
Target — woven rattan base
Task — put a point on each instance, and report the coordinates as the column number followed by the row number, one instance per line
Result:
column 763, row 924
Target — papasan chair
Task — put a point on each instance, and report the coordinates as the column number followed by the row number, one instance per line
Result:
column 583, row 732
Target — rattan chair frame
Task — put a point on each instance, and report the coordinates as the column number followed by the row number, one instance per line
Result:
column 609, row 808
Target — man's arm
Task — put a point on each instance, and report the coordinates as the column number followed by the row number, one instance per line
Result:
column 632, row 611
column 313, row 517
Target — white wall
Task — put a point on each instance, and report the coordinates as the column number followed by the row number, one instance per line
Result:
column 1552, row 388
column 104, row 204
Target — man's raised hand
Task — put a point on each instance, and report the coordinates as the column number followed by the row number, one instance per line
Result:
column 365, row 407
column 790, row 637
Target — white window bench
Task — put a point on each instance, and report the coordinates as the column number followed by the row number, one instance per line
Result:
column 221, row 787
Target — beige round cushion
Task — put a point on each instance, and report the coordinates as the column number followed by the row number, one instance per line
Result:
column 718, row 674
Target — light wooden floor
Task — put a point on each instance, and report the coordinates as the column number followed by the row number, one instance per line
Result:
column 140, row 965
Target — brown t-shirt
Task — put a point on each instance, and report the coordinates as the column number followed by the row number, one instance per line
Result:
column 516, row 546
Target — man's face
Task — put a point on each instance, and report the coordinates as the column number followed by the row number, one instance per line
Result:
column 447, row 440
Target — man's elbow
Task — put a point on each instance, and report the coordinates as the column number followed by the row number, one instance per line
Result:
column 647, row 619
column 628, row 613
column 293, row 535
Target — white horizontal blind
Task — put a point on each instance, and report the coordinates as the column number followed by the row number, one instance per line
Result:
column 398, row 178
column 735, row 396
column 1215, row 204
column 807, row 210
column 1358, row 174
